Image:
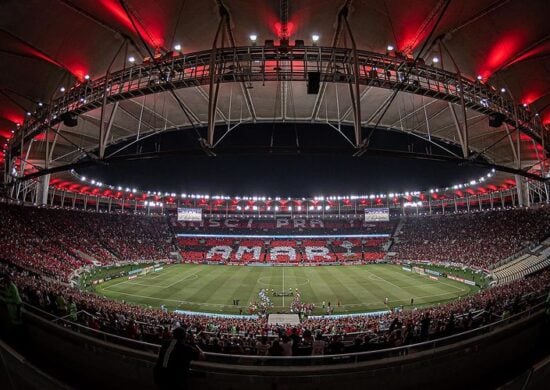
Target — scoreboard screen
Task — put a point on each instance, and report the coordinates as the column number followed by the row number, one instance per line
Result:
column 378, row 214
column 189, row 214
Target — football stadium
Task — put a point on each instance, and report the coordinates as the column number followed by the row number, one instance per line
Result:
column 277, row 194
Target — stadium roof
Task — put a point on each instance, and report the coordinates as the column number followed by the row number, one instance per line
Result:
column 49, row 44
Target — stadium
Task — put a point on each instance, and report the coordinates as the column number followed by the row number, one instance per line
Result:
column 276, row 194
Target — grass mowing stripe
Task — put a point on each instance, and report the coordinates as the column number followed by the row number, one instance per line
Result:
column 359, row 288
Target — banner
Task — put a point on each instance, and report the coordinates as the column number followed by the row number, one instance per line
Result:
column 432, row 272
column 455, row 278
column 418, row 270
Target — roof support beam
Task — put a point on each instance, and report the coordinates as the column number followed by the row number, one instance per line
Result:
column 335, row 41
column 214, row 84
column 464, row 130
column 459, row 131
column 219, row 112
column 224, row 13
column 102, row 131
column 107, row 131
column 354, row 89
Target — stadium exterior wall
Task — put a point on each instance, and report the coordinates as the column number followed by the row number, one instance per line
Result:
column 488, row 359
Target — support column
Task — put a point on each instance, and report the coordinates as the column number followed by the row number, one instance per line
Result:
column 522, row 191
column 52, row 197
column 42, row 189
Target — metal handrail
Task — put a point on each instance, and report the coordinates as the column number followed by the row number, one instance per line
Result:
column 104, row 336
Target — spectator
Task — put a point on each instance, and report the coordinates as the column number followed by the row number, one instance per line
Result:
column 175, row 356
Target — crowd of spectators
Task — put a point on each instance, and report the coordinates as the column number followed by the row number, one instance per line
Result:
column 57, row 242
column 313, row 336
column 274, row 226
column 475, row 239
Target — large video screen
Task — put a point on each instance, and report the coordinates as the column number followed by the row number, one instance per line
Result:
column 377, row 214
column 189, row 214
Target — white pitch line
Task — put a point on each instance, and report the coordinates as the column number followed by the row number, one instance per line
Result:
column 283, row 286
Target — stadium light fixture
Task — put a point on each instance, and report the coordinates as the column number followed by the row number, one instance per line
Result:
column 177, row 47
column 87, row 77
column 253, row 38
column 131, row 59
column 435, row 60
column 40, row 104
column 315, row 38
column 503, row 90
column 390, row 47
column 83, row 178
column 479, row 77
column 62, row 89
column 525, row 105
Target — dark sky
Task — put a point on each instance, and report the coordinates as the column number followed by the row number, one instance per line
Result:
column 246, row 165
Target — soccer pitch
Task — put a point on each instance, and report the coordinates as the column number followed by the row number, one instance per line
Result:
column 212, row 288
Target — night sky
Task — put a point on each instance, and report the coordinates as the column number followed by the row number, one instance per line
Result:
column 265, row 160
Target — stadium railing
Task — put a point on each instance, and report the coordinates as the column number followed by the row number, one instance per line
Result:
column 254, row 360
column 357, row 357
column 16, row 372
column 98, row 334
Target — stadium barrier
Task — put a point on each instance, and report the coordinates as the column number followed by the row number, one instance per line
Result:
column 453, row 361
column 307, row 360
column 18, row 373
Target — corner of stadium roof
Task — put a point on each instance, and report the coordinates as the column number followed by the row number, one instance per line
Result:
column 434, row 72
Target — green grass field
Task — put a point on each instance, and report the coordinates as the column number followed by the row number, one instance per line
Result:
column 212, row 288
